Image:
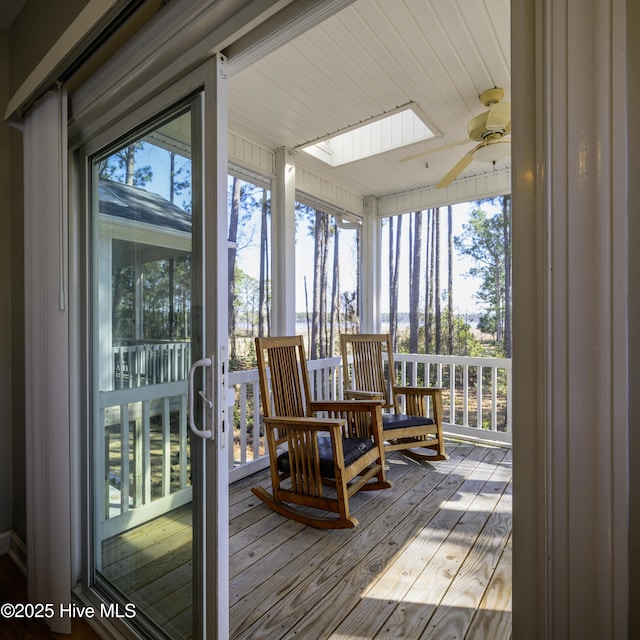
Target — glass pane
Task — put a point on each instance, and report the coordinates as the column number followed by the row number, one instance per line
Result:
column 327, row 281
column 249, row 251
column 142, row 285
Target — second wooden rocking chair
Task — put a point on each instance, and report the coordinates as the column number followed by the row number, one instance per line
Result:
column 344, row 450
column 411, row 430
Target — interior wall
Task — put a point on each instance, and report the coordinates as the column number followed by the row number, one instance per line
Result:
column 6, row 469
column 633, row 71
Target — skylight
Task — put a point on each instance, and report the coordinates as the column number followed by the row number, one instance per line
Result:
column 382, row 133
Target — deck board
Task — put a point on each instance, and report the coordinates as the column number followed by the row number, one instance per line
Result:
column 431, row 557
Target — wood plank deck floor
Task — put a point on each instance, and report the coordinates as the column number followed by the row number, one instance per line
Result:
column 431, row 558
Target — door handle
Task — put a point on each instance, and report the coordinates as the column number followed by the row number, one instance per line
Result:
column 202, row 433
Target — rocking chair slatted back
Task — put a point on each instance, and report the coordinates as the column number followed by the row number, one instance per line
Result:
column 367, row 366
column 289, row 392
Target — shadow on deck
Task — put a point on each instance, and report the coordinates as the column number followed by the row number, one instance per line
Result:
column 430, row 558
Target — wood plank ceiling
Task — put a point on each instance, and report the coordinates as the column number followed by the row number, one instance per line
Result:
column 368, row 59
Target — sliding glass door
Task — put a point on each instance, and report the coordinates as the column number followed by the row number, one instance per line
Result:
column 158, row 491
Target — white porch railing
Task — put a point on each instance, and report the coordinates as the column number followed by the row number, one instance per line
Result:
column 150, row 363
column 143, row 456
column 476, row 392
column 476, row 400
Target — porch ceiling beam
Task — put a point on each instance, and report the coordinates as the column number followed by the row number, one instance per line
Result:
column 473, row 188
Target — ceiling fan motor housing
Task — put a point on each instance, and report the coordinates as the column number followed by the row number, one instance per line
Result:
column 477, row 128
column 491, row 96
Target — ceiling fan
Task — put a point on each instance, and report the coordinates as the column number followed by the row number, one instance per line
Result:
column 490, row 129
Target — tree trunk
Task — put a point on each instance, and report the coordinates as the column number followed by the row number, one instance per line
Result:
column 172, row 175
column 116, row 309
column 356, row 327
column 130, row 164
column 438, row 311
column 428, row 324
column 414, row 283
column 334, row 321
column 506, row 213
column 172, row 321
column 391, row 262
column 231, row 261
column 450, row 285
column 323, row 285
column 319, row 282
column 394, row 266
column 263, row 293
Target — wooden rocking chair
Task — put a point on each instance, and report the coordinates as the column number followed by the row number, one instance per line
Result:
column 344, row 451
column 364, row 377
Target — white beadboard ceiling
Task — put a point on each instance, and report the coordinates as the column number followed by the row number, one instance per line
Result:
column 371, row 57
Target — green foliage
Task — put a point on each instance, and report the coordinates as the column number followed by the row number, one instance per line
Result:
column 465, row 342
column 245, row 302
column 250, row 203
column 118, row 166
column 163, row 317
column 483, row 240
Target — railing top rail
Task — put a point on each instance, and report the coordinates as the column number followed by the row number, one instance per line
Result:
column 461, row 360
column 251, row 375
column 324, row 363
column 243, row 376
column 148, row 392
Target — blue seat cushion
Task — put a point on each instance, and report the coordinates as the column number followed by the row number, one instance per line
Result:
column 395, row 421
column 353, row 449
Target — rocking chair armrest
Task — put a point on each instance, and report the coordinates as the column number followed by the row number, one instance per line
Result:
column 416, row 400
column 353, row 394
column 418, row 391
column 350, row 407
column 313, row 424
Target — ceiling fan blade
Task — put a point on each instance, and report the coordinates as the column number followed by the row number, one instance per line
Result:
column 458, row 168
column 442, row 148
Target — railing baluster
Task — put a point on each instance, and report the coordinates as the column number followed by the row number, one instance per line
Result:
column 256, row 419
column 509, row 398
column 166, row 447
column 452, row 393
column 494, row 399
column 146, row 453
column 124, row 458
column 465, row 396
column 102, row 456
column 138, row 464
column 184, row 452
column 243, row 424
column 480, row 393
